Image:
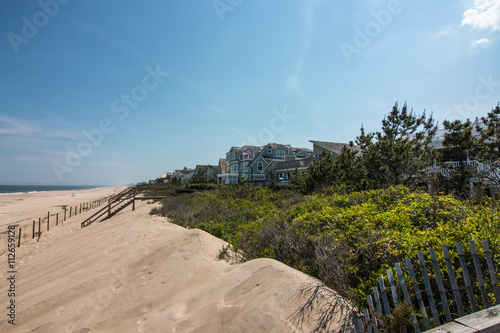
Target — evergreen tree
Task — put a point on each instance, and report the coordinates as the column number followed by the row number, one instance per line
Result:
column 489, row 145
column 399, row 153
column 460, row 144
column 348, row 171
column 200, row 177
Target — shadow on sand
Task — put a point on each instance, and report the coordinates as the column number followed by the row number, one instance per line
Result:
column 326, row 309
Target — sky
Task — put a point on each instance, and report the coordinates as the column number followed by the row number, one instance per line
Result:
column 117, row 92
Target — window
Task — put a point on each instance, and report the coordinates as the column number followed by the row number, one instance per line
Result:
column 260, row 166
column 270, row 151
column 280, row 153
column 234, row 168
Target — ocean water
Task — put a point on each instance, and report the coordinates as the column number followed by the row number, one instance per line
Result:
column 9, row 189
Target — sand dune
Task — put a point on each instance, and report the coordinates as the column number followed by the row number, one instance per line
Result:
column 139, row 273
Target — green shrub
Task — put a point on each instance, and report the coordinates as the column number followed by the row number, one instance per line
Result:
column 346, row 240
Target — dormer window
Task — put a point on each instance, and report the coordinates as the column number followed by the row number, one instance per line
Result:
column 280, row 153
column 269, row 151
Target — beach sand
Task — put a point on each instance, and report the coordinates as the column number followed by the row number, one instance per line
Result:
column 139, row 273
column 25, row 207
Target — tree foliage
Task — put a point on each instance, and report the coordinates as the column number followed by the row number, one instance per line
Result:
column 489, row 145
column 460, row 146
column 399, row 153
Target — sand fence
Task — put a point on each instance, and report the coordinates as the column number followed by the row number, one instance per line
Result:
column 27, row 231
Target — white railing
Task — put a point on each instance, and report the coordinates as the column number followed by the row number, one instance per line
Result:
column 447, row 167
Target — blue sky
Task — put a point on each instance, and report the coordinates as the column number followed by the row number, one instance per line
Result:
column 114, row 92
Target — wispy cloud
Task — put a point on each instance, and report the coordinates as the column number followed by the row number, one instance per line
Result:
column 308, row 22
column 484, row 15
column 222, row 115
column 13, row 126
column 216, row 109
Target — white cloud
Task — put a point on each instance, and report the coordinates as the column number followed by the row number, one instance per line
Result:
column 308, row 22
column 11, row 126
column 293, row 84
column 448, row 32
column 480, row 41
column 484, row 15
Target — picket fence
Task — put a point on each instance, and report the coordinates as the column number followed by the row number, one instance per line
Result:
column 450, row 305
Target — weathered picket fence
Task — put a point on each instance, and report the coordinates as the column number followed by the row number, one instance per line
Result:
column 475, row 288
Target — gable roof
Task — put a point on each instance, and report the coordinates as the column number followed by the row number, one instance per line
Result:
column 247, row 147
column 276, row 145
column 335, row 147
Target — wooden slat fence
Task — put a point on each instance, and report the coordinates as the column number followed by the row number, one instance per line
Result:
column 433, row 292
column 27, row 231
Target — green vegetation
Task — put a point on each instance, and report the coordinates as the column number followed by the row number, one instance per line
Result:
column 350, row 218
column 345, row 240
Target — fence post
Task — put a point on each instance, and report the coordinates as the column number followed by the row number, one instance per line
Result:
column 453, row 281
column 491, row 269
column 372, row 310
column 367, row 320
column 465, row 273
column 33, row 231
column 414, row 321
column 378, row 306
column 70, row 208
column 384, row 296
column 477, row 265
column 393, row 288
column 439, row 280
column 19, row 241
column 418, row 294
column 48, row 217
column 64, row 213
column 57, row 218
column 428, row 288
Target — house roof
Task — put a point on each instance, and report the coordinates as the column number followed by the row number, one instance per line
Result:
column 204, row 167
column 276, row 145
column 184, row 171
column 335, row 147
column 244, row 148
column 297, row 149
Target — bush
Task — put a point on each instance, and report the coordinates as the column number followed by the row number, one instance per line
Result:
column 346, row 240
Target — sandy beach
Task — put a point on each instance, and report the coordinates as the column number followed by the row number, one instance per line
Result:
column 139, row 273
column 25, row 207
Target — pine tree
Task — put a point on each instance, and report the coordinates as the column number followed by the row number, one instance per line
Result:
column 489, row 145
column 460, row 145
column 400, row 152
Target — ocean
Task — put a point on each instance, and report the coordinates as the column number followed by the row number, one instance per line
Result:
column 9, row 189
